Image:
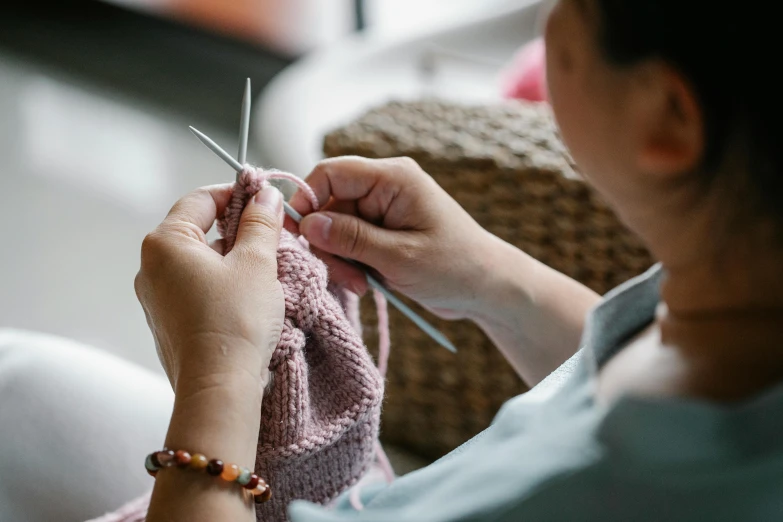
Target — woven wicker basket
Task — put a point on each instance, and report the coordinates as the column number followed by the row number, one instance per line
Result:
column 507, row 167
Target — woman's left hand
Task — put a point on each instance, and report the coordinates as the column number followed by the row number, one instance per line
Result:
column 213, row 317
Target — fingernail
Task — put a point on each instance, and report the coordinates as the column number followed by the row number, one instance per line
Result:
column 319, row 224
column 270, row 198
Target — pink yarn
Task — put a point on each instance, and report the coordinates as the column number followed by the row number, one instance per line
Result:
column 384, row 340
column 321, row 411
column 525, row 78
column 250, row 181
column 351, row 304
column 384, row 348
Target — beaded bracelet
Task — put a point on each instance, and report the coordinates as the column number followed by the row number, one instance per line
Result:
column 228, row 472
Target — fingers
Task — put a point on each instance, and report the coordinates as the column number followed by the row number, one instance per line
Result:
column 351, row 178
column 343, row 207
column 259, row 227
column 200, row 207
column 353, row 238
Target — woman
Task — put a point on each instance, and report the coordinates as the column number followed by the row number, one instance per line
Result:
column 671, row 403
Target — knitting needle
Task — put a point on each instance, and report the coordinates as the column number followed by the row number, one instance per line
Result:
column 297, row 217
column 214, row 147
column 225, row 156
column 402, row 307
column 244, row 124
column 410, row 314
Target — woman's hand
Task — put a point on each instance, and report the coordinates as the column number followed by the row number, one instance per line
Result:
column 213, row 317
column 216, row 320
column 392, row 216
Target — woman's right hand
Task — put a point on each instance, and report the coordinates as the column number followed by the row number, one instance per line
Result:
column 391, row 216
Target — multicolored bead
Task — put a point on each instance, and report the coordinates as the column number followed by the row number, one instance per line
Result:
column 252, row 482
column 215, row 467
column 230, row 472
column 158, row 460
column 263, row 495
column 154, row 459
column 165, row 458
column 244, row 476
column 151, row 465
column 182, row 458
column 198, row 461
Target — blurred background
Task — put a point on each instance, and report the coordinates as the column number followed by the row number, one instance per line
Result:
column 96, row 97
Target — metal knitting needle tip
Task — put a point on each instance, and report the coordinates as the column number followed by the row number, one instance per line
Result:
column 418, row 320
column 234, row 164
column 297, row 217
column 413, row 316
column 214, row 147
column 244, row 124
column 293, row 214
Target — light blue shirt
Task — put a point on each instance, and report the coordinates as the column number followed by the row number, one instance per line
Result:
column 567, row 458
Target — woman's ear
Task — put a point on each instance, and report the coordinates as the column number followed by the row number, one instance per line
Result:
column 671, row 125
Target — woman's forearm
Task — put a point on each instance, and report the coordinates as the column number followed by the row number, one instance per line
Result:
column 220, row 418
column 534, row 314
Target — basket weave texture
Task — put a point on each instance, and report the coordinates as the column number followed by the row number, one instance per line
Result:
column 506, row 165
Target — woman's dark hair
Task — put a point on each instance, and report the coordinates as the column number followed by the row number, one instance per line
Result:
column 730, row 53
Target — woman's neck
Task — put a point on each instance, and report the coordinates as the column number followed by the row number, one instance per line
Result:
column 719, row 330
column 723, row 314
column 714, row 263
column 735, row 282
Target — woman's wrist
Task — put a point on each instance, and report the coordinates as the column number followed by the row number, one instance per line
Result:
column 212, row 357
column 219, row 417
column 502, row 287
column 533, row 314
column 219, row 407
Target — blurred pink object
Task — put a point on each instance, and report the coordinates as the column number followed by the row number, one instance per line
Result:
column 525, row 77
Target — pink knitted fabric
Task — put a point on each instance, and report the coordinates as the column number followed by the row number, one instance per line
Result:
column 321, row 411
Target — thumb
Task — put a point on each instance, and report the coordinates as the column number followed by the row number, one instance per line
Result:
column 351, row 237
column 260, row 224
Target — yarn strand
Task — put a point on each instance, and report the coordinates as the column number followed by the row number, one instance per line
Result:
column 384, row 348
column 249, row 182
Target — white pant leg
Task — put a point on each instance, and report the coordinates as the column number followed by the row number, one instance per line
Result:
column 75, row 426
